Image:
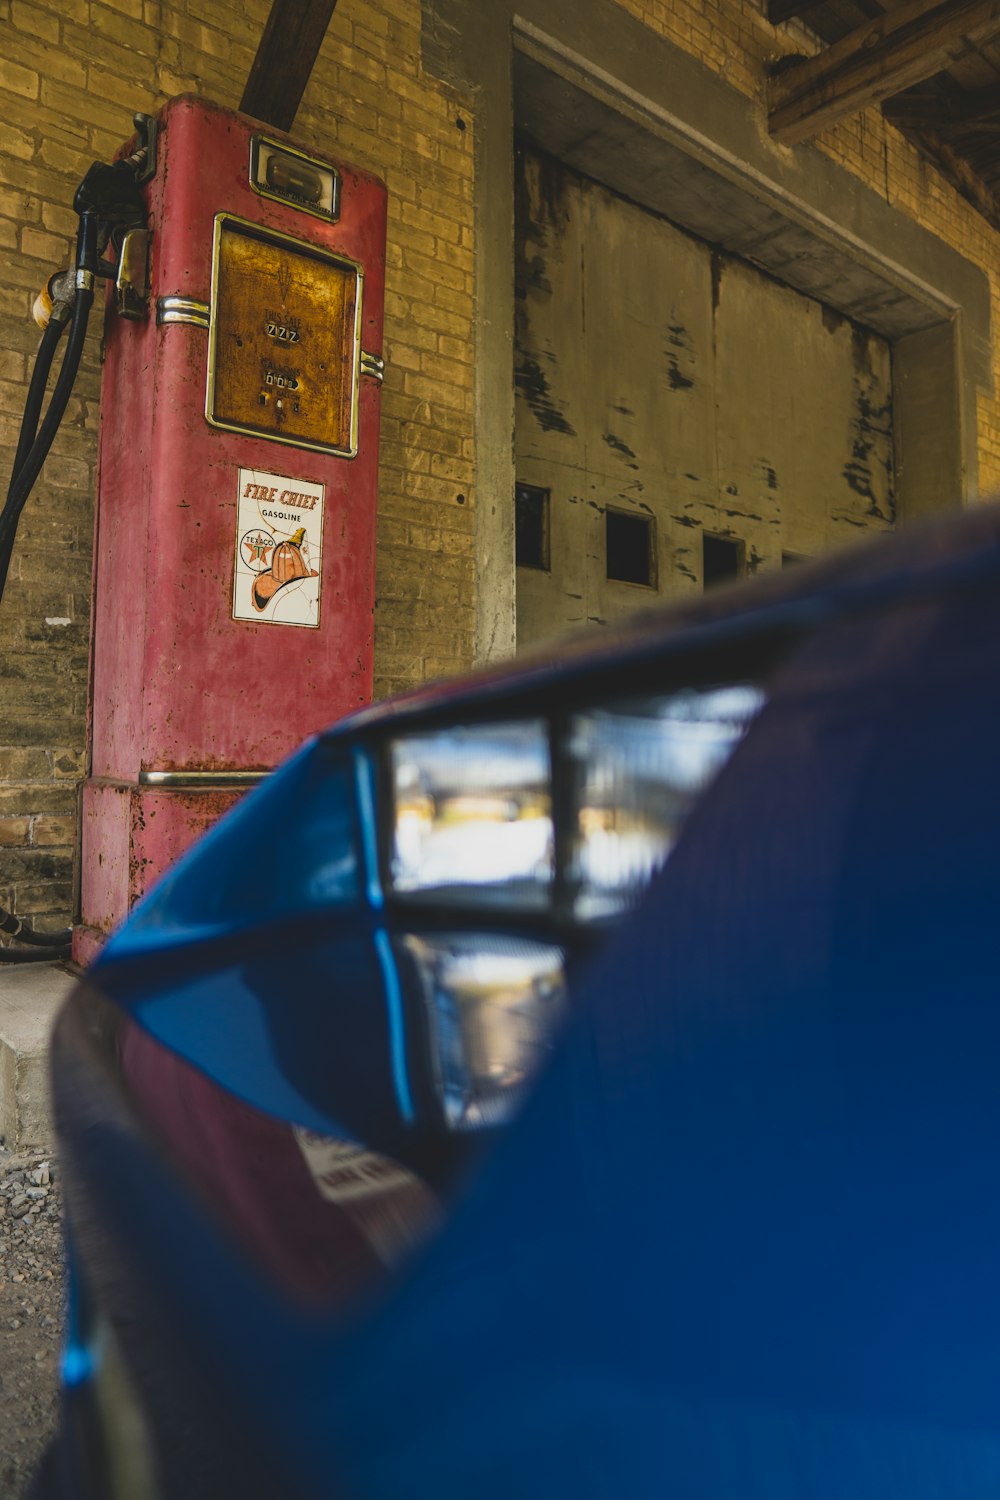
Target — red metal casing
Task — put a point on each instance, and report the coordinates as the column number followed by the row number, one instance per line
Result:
column 178, row 685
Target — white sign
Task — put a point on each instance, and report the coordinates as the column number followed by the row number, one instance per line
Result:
column 279, row 549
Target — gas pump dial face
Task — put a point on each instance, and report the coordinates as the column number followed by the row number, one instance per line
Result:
column 285, row 339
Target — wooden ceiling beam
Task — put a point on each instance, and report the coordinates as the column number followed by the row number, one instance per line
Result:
column 286, row 55
column 959, row 173
column 920, row 111
column 881, row 58
column 780, row 11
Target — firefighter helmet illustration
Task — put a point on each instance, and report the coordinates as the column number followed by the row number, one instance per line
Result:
column 287, row 566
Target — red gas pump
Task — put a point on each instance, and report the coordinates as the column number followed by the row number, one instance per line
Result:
column 238, row 465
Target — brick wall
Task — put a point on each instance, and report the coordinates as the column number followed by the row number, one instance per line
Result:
column 73, row 73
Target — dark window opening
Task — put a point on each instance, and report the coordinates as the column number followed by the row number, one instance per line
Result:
column 722, row 559
column 531, row 527
column 630, row 556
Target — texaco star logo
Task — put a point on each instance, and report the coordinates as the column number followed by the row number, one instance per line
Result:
column 256, row 548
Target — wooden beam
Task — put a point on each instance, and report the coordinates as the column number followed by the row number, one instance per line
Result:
column 285, row 59
column 937, row 111
column 780, row 11
column 880, row 58
column 960, row 174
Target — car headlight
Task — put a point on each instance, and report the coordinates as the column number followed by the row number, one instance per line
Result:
column 476, row 819
column 639, row 769
column 491, row 1006
column 473, row 812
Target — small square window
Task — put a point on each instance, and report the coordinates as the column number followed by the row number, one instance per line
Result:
column 630, row 555
column 722, row 559
column 531, row 527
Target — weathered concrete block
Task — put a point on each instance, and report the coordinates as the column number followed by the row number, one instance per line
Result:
column 30, row 998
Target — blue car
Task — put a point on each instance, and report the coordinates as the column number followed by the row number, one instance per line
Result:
column 580, row 1080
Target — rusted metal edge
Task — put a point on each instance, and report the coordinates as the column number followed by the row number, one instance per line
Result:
column 207, row 779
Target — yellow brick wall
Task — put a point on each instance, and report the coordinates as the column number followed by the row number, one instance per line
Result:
column 72, row 74
column 733, row 37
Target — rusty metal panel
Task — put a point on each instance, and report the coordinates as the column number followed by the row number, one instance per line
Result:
column 284, row 357
column 656, row 377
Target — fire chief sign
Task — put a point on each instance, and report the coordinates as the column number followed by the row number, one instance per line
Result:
column 279, row 539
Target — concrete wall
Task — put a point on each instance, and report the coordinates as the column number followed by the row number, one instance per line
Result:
column 661, row 379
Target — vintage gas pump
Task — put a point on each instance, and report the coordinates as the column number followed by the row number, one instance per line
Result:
column 234, row 552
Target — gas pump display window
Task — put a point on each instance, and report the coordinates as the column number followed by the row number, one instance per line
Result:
column 285, row 339
column 289, row 176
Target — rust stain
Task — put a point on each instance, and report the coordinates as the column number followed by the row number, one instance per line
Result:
column 718, row 265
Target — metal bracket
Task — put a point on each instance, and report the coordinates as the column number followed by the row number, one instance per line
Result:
column 373, row 365
column 147, row 129
column 132, row 278
column 183, row 310
column 201, row 780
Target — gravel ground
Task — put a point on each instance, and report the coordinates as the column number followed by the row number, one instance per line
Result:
column 31, row 1314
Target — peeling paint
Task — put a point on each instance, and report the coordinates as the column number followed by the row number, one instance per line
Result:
column 767, row 473
column 678, row 338
column 870, row 436
column 530, row 380
column 618, row 446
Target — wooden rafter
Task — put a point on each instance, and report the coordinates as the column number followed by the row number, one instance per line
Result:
column 960, row 174
column 881, row 58
column 285, row 59
column 780, row 11
column 927, row 111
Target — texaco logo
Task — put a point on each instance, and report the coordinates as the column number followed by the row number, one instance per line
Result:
column 256, row 548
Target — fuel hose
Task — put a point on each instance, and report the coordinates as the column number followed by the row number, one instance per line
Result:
column 34, row 442
column 34, row 451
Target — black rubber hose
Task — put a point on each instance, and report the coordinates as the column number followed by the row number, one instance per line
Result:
column 23, row 481
column 29, row 425
column 36, row 394
column 12, row 926
column 33, row 955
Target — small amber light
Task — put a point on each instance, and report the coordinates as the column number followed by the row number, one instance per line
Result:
column 288, row 175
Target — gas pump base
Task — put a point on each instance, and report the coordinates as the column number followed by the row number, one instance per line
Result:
column 133, row 834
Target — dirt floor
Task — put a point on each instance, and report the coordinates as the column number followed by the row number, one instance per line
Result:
column 31, row 1314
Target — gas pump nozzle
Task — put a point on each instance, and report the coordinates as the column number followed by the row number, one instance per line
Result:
column 110, row 191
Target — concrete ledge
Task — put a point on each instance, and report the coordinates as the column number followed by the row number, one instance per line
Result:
column 30, row 998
